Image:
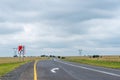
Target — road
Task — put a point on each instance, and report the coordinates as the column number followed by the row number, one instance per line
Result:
column 55, row 69
column 61, row 70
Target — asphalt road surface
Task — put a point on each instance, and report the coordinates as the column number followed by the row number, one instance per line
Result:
column 61, row 70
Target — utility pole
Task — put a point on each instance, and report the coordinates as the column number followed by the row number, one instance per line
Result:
column 15, row 51
column 80, row 52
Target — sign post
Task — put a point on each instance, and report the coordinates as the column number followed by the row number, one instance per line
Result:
column 21, row 52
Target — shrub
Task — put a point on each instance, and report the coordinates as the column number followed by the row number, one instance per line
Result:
column 95, row 56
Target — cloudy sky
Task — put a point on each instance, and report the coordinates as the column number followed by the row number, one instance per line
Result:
column 60, row 27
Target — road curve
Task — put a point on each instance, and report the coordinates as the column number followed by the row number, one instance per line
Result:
column 61, row 70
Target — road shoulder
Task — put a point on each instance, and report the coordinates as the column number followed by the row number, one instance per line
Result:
column 17, row 73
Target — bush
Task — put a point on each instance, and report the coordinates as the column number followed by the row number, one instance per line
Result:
column 59, row 56
column 43, row 56
column 52, row 56
column 63, row 57
column 96, row 56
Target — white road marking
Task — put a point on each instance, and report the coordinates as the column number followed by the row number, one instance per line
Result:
column 54, row 70
column 109, row 73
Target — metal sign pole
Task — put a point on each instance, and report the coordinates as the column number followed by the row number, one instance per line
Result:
column 19, row 55
column 21, row 52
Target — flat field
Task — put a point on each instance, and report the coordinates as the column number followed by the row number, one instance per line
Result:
column 12, row 60
column 104, row 61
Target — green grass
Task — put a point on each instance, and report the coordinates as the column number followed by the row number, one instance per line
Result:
column 108, row 64
column 8, row 64
column 7, row 67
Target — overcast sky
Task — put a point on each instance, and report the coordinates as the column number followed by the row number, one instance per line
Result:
column 60, row 27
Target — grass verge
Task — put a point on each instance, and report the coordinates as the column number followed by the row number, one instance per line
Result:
column 107, row 64
column 8, row 64
column 7, row 67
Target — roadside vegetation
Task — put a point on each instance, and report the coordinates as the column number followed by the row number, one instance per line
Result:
column 8, row 64
column 104, row 61
column 7, row 67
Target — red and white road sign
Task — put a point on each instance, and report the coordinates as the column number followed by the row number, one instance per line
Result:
column 20, row 48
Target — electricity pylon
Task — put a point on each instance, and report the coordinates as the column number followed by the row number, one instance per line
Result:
column 80, row 52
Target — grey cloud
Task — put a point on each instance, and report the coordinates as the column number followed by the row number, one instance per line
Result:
column 105, row 4
column 67, row 11
column 59, row 23
column 72, row 17
column 6, row 29
column 110, row 42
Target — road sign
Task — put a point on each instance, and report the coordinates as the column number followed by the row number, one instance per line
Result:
column 21, row 52
column 20, row 48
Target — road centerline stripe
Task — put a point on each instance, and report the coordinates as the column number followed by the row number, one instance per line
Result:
column 35, row 70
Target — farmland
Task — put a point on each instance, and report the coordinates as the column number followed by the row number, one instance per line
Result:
column 104, row 61
column 12, row 60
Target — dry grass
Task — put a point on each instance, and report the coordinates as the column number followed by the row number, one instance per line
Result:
column 104, row 61
column 111, row 58
column 12, row 60
column 8, row 64
column 103, row 58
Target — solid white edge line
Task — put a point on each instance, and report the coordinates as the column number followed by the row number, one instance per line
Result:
column 109, row 73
